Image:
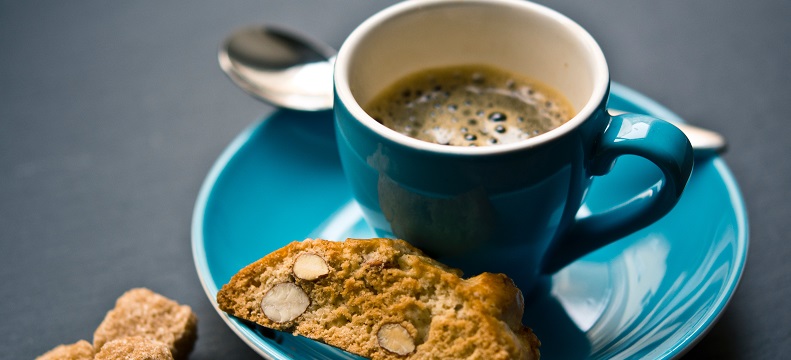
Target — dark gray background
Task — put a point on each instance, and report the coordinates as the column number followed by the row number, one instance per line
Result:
column 112, row 112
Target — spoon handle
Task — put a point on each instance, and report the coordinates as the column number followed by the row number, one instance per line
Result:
column 704, row 142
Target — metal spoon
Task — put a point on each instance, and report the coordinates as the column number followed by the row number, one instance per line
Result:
column 705, row 142
column 291, row 70
column 280, row 66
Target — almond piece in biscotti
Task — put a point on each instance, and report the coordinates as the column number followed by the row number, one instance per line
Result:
column 310, row 267
column 284, row 302
column 395, row 338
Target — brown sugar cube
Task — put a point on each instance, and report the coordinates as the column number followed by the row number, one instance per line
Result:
column 142, row 312
column 135, row 347
column 81, row 350
column 381, row 299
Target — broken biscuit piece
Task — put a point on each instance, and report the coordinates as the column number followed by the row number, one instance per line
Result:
column 142, row 312
column 81, row 350
column 134, row 347
column 381, row 299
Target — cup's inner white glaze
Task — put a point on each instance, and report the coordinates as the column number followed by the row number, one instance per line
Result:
column 519, row 36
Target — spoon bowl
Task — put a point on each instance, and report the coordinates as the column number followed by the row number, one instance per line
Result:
column 280, row 66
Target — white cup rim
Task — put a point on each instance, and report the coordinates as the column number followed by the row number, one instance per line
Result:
column 344, row 93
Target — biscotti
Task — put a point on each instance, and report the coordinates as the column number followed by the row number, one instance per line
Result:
column 81, row 350
column 381, row 299
column 134, row 347
column 142, row 312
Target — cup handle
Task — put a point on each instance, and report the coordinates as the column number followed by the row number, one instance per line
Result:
column 628, row 134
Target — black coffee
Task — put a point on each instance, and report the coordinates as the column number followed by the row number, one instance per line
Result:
column 469, row 105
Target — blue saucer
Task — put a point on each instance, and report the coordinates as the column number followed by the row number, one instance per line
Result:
column 650, row 295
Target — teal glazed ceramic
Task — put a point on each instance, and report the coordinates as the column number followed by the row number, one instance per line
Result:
column 476, row 208
column 476, row 211
column 651, row 295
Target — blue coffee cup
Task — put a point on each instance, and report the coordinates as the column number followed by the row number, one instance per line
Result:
column 511, row 208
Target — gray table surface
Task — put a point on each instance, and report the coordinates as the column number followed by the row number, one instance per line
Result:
column 112, row 112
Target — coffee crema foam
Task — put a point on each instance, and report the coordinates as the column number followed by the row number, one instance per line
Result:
column 469, row 105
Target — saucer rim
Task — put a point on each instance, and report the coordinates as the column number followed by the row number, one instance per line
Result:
column 740, row 213
column 249, row 337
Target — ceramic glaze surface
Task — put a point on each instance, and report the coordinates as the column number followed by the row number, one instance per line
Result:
column 513, row 211
column 650, row 295
column 509, row 208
